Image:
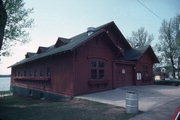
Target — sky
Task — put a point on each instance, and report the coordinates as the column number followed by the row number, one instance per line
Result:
column 67, row 18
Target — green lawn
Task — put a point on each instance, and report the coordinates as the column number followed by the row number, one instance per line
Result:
column 4, row 92
column 18, row 108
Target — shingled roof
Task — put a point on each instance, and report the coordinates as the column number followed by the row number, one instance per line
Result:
column 42, row 49
column 29, row 54
column 73, row 43
column 61, row 41
column 135, row 54
column 64, row 44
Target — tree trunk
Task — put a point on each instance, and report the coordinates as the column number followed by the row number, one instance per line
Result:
column 172, row 63
column 3, row 19
column 178, row 67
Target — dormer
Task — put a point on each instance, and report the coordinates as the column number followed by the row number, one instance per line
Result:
column 42, row 49
column 61, row 41
column 29, row 54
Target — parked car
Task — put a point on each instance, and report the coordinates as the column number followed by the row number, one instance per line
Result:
column 167, row 82
column 176, row 115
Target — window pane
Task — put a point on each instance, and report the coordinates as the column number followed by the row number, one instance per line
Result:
column 48, row 72
column 35, row 72
column 30, row 74
column 123, row 71
column 19, row 73
column 101, row 64
column 41, row 73
column 93, row 64
column 138, row 76
column 15, row 74
column 24, row 73
column 93, row 74
column 101, row 74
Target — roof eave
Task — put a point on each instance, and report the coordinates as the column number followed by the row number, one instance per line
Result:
column 16, row 64
column 93, row 36
column 155, row 57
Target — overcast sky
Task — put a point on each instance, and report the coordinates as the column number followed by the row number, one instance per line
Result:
column 67, row 18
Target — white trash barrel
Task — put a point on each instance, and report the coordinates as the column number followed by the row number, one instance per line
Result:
column 131, row 102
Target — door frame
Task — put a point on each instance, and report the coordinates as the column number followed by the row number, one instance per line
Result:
column 114, row 67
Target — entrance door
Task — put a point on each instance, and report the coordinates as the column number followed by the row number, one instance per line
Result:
column 124, row 75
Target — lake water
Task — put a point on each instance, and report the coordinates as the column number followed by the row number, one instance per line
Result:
column 5, row 83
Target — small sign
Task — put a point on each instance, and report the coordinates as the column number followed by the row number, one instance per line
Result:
column 138, row 76
column 123, row 71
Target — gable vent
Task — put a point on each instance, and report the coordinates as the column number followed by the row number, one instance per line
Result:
column 91, row 30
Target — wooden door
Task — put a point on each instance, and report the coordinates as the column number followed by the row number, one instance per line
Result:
column 124, row 75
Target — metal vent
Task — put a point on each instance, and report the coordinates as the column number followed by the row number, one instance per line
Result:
column 91, row 30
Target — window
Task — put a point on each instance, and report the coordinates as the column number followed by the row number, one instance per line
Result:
column 35, row 73
column 48, row 72
column 93, row 64
column 138, row 76
column 101, row 64
column 24, row 72
column 30, row 74
column 101, row 74
column 123, row 71
column 15, row 73
column 97, row 70
column 19, row 73
column 41, row 73
column 93, row 74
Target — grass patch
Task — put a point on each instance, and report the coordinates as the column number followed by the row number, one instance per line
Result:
column 4, row 92
column 15, row 100
column 17, row 108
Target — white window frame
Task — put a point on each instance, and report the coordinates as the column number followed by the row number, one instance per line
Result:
column 139, row 76
column 123, row 71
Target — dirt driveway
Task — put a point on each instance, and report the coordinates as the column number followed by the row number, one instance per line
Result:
column 150, row 96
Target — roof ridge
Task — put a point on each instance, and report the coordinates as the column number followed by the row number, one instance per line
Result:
column 101, row 26
column 74, row 42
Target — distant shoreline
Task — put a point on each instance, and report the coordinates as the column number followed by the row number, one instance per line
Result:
column 5, row 76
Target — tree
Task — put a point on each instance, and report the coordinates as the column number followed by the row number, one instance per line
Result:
column 140, row 38
column 3, row 19
column 16, row 24
column 167, row 47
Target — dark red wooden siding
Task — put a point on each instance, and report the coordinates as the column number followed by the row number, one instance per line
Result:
column 71, row 71
column 124, row 75
column 145, row 60
column 98, row 49
column 61, row 74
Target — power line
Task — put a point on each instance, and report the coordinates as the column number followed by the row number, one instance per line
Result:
column 149, row 9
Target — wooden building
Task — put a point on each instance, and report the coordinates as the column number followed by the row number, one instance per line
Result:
column 96, row 60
